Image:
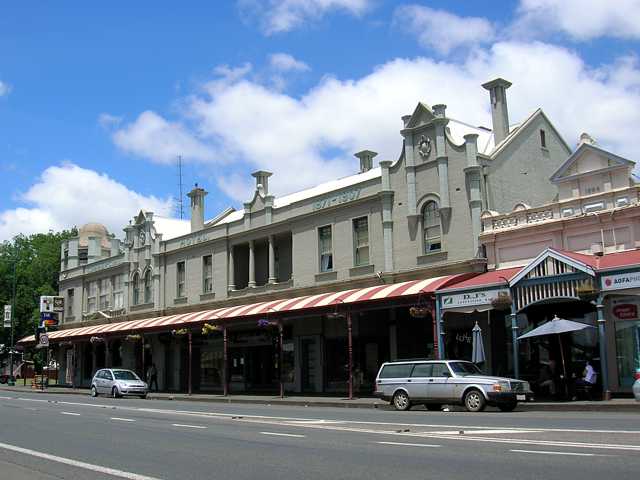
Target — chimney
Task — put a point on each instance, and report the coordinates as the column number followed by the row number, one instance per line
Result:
column 197, row 208
column 499, row 112
column 586, row 138
column 366, row 160
column 262, row 181
column 439, row 110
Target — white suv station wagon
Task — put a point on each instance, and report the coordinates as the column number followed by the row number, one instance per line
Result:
column 437, row 382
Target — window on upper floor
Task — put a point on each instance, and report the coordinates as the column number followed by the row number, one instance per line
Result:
column 543, row 139
column 207, row 274
column 70, row 302
column 83, row 255
column 361, row 241
column 105, row 296
column 92, row 297
column 325, row 248
column 147, row 287
column 431, row 227
column 117, row 285
column 180, row 280
column 135, row 284
column 65, row 259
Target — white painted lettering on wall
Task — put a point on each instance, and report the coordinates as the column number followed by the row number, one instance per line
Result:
column 194, row 240
column 344, row 197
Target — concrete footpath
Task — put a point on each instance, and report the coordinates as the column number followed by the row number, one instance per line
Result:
column 615, row 405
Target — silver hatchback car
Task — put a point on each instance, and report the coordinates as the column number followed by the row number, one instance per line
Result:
column 118, row 382
column 438, row 382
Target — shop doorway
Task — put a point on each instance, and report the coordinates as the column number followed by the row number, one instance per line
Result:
column 310, row 364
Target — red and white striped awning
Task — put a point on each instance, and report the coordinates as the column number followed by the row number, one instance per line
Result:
column 345, row 297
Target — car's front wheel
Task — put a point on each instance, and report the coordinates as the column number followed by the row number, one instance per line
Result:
column 474, row 401
column 401, row 401
column 115, row 393
column 94, row 391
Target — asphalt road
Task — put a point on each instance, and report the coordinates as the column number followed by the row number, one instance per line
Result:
column 72, row 436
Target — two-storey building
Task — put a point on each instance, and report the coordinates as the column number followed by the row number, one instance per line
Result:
column 315, row 288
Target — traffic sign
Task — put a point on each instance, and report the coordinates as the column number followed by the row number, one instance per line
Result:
column 43, row 341
column 49, row 303
column 7, row 316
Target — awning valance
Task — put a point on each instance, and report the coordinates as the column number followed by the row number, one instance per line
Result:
column 345, row 297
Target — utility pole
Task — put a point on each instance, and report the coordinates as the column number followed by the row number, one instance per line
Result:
column 11, row 380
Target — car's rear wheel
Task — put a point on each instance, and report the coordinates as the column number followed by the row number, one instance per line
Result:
column 474, row 401
column 507, row 407
column 115, row 393
column 94, row 391
column 401, row 401
column 433, row 407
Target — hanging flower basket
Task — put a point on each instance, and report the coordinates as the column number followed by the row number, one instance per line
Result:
column 95, row 340
column 502, row 302
column 419, row 311
column 207, row 328
column 134, row 337
column 335, row 315
column 263, row 322
column 180, row 331
column 587, row 292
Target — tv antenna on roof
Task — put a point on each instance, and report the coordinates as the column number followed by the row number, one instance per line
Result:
column 180, row 204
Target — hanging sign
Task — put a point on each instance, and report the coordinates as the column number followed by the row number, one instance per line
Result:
column 7, row 316
column 471, row 299
column 50, row 303
column 43, row 341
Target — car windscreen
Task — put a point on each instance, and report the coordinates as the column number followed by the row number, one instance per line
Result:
column 464, row 368
column 396, row 371
column 125, row 375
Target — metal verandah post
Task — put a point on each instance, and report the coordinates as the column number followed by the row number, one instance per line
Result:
column 435, row 328
column 350, row 354
column 225, row 360
column 189, row 390
column 280, row 357
column 602, row 337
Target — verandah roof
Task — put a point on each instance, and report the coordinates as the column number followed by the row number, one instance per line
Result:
column 345, row 297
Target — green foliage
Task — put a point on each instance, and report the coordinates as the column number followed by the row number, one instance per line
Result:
column 37, row 268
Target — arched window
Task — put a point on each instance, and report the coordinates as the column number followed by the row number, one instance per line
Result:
column 147, row 287
column 136, row 288
column 431, row 227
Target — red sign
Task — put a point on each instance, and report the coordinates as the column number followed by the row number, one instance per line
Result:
column 626, row 311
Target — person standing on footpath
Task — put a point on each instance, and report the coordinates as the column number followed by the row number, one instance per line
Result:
column 152, row 377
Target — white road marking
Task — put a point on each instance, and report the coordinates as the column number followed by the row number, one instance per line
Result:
column 6, row 398
column 122, row 419
column 573, row 454
column 33, row 400
column 70, row 413
column 75, row 463
column 186, row 426
column 409, row 444
column 283, row 434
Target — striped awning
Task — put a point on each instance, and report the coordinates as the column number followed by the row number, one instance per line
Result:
column 345, row 297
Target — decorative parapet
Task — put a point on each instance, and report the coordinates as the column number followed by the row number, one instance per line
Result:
column 492, row 221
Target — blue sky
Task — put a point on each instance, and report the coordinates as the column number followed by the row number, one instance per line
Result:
column 97, row 101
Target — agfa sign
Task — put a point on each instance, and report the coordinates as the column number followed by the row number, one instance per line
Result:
column 621, row 281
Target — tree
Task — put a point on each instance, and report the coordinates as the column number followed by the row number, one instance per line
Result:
column 37, row 263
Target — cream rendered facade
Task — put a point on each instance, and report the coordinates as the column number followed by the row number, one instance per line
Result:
column 413, row 218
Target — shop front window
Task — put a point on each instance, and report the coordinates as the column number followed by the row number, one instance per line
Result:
column 628, row 351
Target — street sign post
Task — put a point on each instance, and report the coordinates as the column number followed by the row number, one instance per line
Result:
column 7, row 316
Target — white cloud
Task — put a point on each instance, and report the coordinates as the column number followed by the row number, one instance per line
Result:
column 68, row 195
column 108, row 121
column 152, row 137
column 580, row 19
column 5, row 88
column 442, row 31
column 309, row 139
column 283, row 62
column 277, row 16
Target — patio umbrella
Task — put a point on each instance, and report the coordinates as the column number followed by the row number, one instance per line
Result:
column 557, row 326
column 477, row 354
